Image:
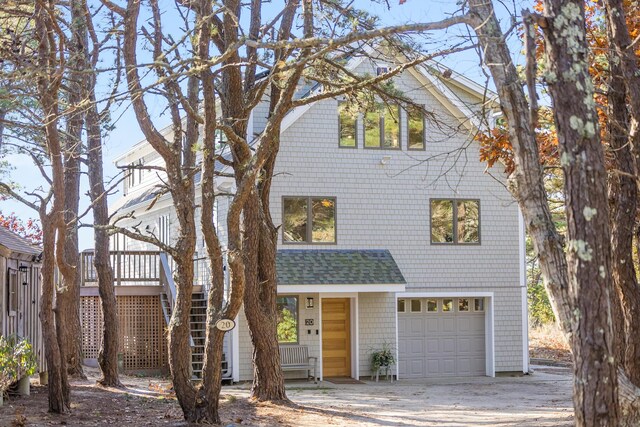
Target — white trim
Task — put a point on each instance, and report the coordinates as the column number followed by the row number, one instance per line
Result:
column 355, row 338
column 342, row 290
column 525, row 331
column 490, row 345
column 397, row 341
column 354, row 332
column 235, row 351
column 450, row 96
column 320, row 336
column 489, row 332
column 523, row 286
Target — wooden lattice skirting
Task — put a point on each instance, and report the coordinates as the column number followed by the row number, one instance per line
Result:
column 141, row 330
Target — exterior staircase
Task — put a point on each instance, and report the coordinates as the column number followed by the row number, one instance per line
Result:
column 197, row 324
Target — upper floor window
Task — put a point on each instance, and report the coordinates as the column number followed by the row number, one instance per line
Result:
column 455, row 221
column 347, row 127
column 382, row 128
column 309, row 220
column 415, row 123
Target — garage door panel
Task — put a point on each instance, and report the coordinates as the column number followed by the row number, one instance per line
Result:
column 433, row 325
column 448, row 324
column 437, row 344
column 416, row 347
column 416, row 367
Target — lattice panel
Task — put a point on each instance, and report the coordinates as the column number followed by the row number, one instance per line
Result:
column 141, row 324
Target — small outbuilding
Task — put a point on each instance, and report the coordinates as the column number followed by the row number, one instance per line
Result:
column 20, row 291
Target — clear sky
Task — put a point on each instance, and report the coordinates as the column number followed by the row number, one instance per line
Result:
column 127, row 133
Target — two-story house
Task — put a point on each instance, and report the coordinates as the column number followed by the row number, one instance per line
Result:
column 392, row 233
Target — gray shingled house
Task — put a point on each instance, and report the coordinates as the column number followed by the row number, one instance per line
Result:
column 392, row 233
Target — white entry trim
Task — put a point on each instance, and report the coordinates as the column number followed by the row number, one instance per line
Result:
column 355, row 328
column 235, row 351
column 341, row 290
column 523, row 286
column 490, row 369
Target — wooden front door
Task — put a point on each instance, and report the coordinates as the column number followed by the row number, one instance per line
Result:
column 336, row 337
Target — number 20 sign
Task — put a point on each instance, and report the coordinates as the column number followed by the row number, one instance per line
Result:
column 225, row 324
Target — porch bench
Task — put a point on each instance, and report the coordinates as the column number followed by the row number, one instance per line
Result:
column 296, row 358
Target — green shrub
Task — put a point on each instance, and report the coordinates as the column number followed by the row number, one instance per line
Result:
column 16, row 360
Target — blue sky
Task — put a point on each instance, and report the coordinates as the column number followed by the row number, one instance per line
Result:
column 127, row 132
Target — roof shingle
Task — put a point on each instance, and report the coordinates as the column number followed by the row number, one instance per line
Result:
column 337, row 267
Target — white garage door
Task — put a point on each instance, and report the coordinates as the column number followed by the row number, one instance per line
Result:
column 440, row 337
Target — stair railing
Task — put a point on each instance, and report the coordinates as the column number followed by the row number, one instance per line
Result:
column 166, row 277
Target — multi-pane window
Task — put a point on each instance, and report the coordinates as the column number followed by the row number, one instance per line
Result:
column 347, row 127
column 287, row 319
column 309, row 220
column 415, row 124
column 382, row 128
column 455, row 221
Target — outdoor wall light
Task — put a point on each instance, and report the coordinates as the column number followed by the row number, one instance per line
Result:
column 23, row 269
column 309, row 303
column 385, row 160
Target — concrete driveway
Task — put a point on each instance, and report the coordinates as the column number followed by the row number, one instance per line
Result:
column 540, row 399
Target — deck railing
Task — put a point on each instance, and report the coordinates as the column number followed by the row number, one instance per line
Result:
column 137, row 268
column 142, row 268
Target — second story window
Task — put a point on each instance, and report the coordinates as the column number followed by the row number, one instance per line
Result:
column 415, row 123
column 455, row 221
column 309, row 220
column 382, row 128
column 347, row 127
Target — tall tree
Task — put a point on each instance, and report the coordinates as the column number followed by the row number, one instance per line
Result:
column 212, row 80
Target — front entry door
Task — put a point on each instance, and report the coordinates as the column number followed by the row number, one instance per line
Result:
column 336, row 337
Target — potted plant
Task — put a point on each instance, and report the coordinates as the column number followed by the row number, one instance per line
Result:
column 17, row 361
column 382, row 360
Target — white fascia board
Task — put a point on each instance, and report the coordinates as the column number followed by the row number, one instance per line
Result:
column 451, row 97
column 339, row 289
column 298, row 112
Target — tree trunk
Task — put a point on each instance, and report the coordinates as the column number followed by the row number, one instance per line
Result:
column 623, row 202
column 260, row 303
column 68, row 296
column 179, row 333
column 108, row 357
column 581, row 293
column 58, row 382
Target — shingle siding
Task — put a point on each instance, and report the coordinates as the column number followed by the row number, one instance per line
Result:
column 387, row 207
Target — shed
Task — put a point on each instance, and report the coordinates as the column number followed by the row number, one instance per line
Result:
column 20, row 291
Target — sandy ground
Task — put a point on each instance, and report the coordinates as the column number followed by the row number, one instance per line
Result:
column 541, row 399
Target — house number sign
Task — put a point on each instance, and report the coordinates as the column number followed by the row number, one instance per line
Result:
column 225, row 324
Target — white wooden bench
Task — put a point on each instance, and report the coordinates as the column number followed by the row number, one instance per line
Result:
column 296, row 358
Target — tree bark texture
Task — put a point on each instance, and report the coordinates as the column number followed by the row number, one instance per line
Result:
column 108, row 357
column 68, row 296
column 579, row 285
column 58, row 383
column 623, row 193
column 589, row 248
